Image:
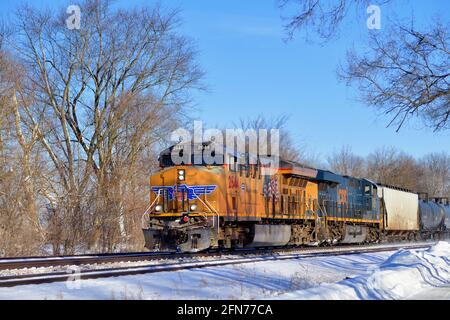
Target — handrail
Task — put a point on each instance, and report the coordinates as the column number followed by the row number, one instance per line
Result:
column 325, row 215
column 324, row 210
column 210, row 208
column 218, row 216
column 150, row 206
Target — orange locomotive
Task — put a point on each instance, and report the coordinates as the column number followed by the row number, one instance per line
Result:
column 196, row 207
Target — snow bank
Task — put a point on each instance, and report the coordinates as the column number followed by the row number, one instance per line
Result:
column 405, row 274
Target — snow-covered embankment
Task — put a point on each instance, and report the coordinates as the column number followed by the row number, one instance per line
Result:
column 407, row 274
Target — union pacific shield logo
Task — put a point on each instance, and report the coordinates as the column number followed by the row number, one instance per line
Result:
column 193, row 192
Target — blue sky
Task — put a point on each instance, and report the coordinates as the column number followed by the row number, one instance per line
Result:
column 250, row 70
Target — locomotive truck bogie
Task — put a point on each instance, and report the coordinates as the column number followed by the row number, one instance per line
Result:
column 177, row 235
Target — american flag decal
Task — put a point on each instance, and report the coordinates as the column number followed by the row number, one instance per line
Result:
column 270, row 188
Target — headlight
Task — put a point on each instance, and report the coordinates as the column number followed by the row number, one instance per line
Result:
column 158, row 208
column 181, row 175
column 193, row 207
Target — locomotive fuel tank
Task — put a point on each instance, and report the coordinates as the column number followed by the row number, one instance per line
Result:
column 431, row 215
column 270, row 235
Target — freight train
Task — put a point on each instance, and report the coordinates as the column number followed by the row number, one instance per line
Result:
column 231, row 205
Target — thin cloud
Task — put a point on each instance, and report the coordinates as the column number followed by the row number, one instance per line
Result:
column 250, row 26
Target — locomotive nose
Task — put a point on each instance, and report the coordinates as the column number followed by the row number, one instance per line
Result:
column 173, row 191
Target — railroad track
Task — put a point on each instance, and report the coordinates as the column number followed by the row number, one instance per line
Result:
column 225, row 258
column 37, row 262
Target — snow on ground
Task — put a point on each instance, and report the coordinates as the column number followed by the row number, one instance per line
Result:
column 412, row 274
column 245, row 281
column 407, row 274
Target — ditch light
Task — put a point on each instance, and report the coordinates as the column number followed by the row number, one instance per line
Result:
column 181, row 175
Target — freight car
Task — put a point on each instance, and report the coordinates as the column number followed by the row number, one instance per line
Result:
column 445, row 203
column 400, row 212
column 196, row 207
column 432, row 216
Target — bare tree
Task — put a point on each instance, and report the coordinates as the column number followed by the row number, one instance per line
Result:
column 289, row 149
column 347, row 163
column 322, row 17
column 20, row 228
column 435, row 179
column 389, row 166
column 101, row 97
column 3, row 95
column 406, row 73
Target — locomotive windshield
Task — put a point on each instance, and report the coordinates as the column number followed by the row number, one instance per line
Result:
column 166, row 160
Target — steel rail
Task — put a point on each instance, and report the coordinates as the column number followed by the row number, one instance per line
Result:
column 53, row 261
column 243, row 257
